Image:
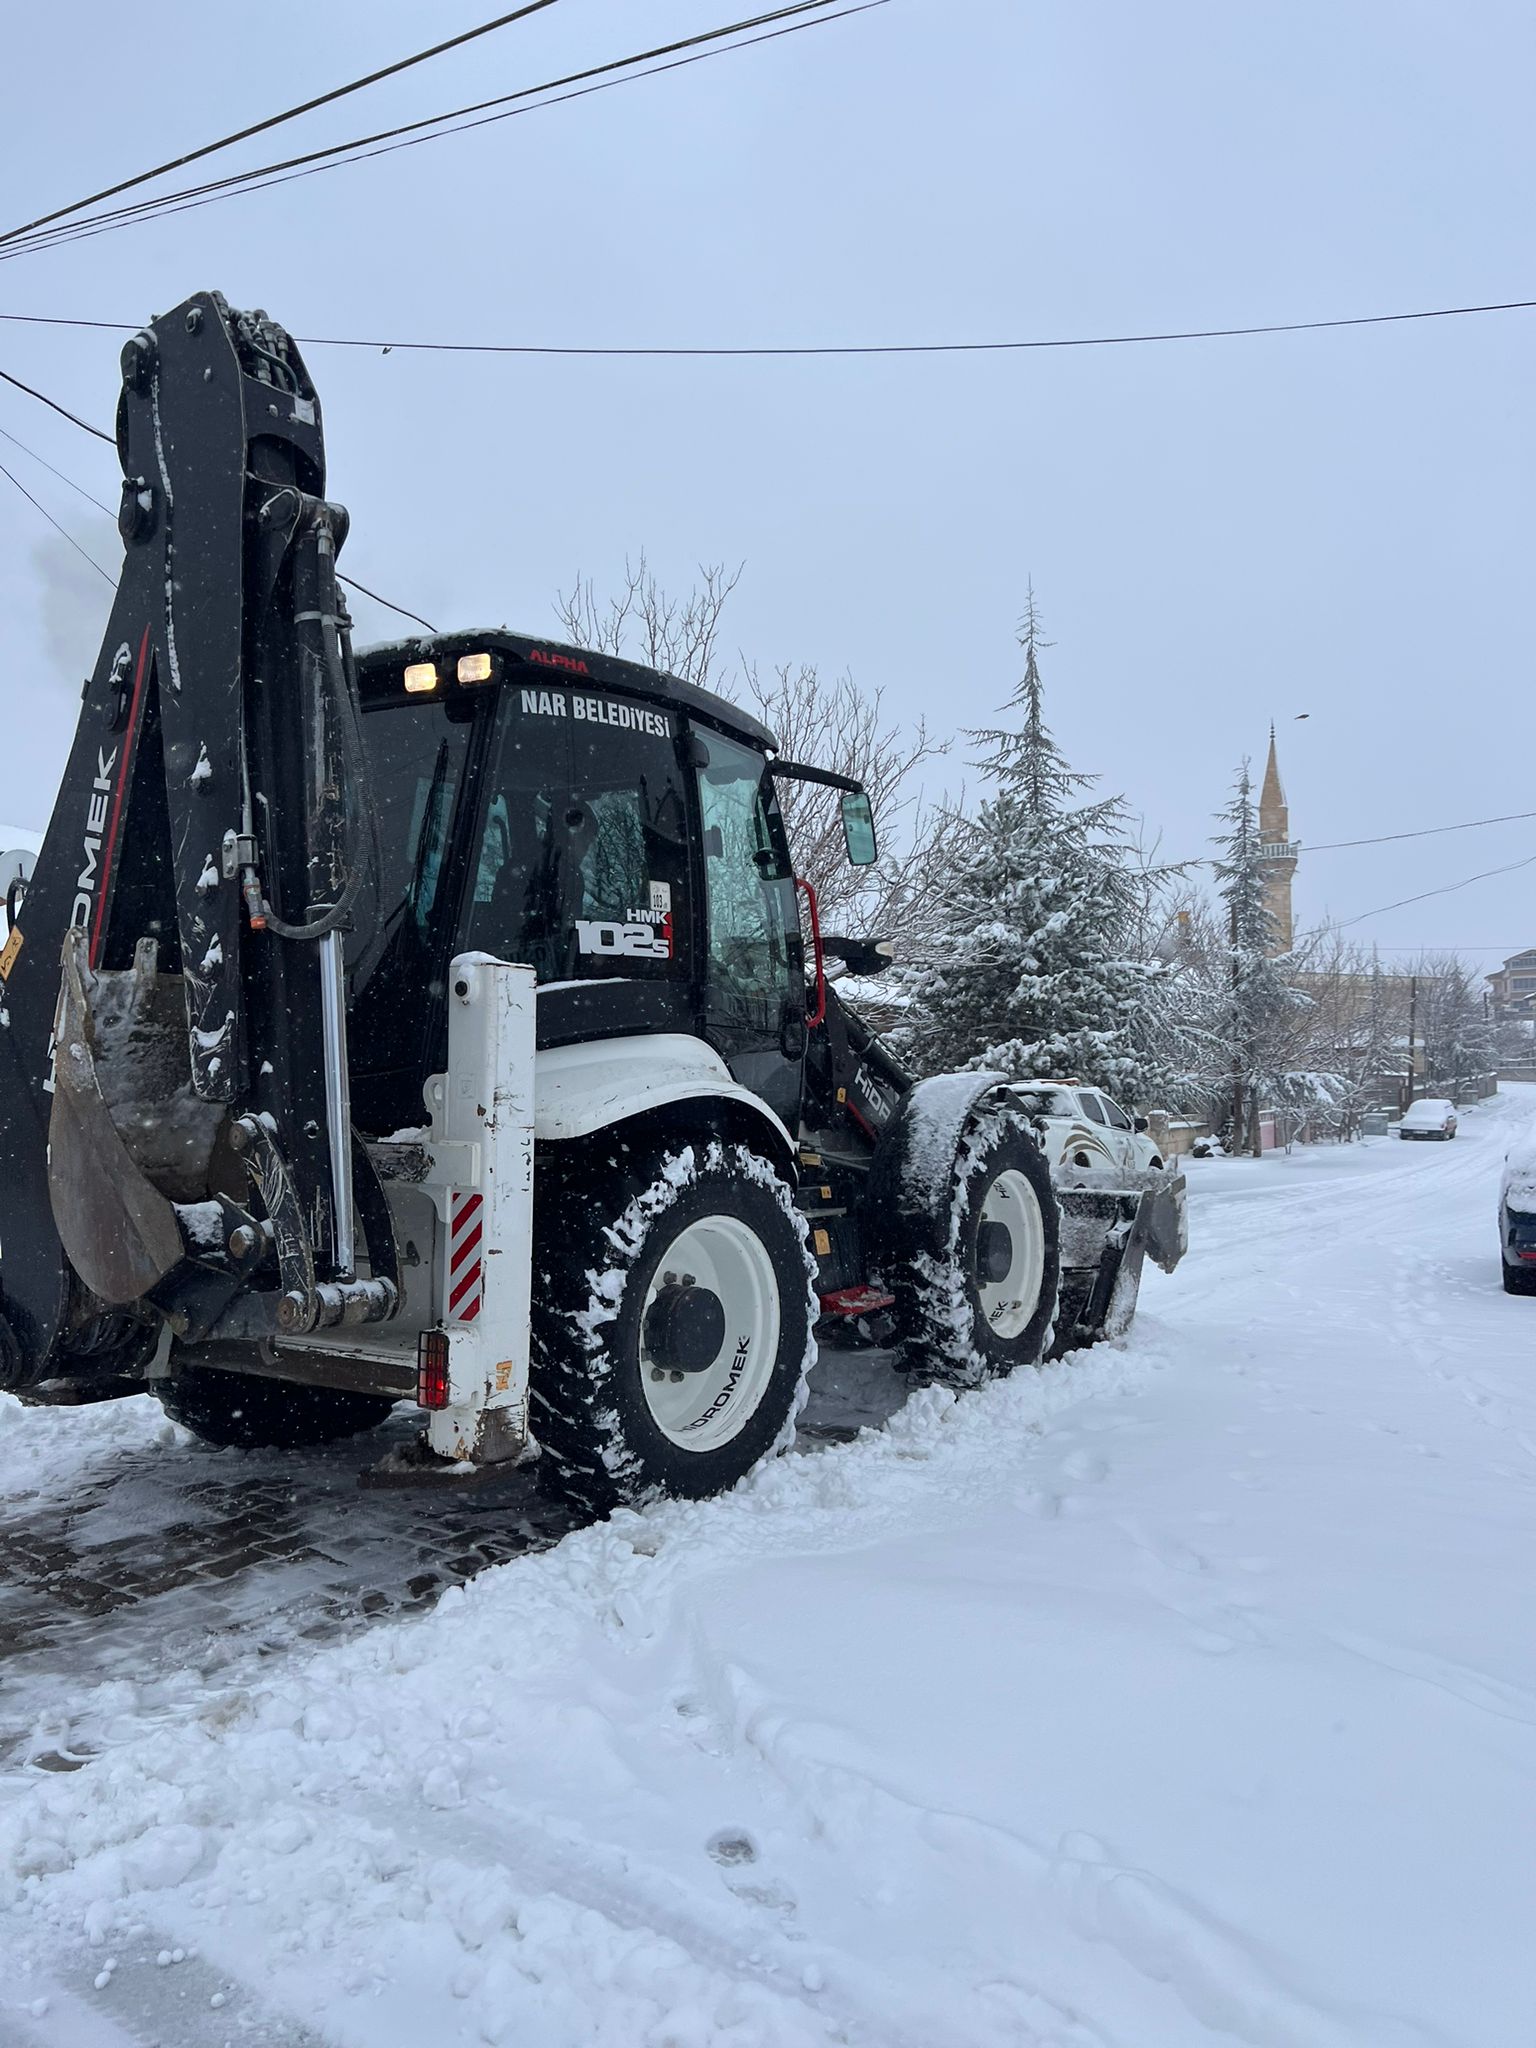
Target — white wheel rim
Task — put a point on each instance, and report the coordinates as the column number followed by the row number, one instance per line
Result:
column 1009, row 1304
column 700, row 1411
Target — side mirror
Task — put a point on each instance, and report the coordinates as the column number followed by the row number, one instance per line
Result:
column 1140, row 1123
column 860, row 956
column 859, row 828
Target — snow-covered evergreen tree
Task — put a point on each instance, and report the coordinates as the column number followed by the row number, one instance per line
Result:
column 1183, row 1031
column 1030, row 968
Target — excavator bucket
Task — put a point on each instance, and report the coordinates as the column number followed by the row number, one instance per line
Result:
column 119, row 1232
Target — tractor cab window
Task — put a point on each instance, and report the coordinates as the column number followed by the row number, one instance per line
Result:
column 748, row 890
column 581, row 868
column 754, row 983
column 416, row 763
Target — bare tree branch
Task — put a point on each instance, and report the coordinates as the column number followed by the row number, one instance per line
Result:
column 643, row 623
column 836, row 725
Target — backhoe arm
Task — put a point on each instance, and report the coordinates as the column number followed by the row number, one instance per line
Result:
column 174, row 1123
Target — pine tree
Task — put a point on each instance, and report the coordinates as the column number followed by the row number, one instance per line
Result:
column 1184, row 1028
column 1029, row 971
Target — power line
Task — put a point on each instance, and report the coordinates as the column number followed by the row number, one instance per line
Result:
column 61, row 531
column 388, row 604
column 350, row 581
column 54, row 406
column 1428, row 832
column 63, row 479
column 1446, row 889
column 888, row 348
column 358, row 150
column 924, row 348
column 276, row 120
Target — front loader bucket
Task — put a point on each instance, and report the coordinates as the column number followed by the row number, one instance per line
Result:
column 120, row 1233
column 1109, row 1225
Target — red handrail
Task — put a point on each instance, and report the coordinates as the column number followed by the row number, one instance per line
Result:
column 819, row 1014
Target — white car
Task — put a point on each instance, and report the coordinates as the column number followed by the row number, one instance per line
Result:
column 1433, row 1117
column 1084, row 1128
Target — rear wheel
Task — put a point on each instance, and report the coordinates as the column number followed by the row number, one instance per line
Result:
column 672, row 1331
column 247, row 1411
column 1519, row 1279
column 986, row 1303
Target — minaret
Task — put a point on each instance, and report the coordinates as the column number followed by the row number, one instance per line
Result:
column 1277, row 851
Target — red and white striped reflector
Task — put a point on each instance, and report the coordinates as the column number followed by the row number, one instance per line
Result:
column 466, row 1255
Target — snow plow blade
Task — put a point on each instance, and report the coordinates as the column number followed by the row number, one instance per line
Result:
column 1110, row 1223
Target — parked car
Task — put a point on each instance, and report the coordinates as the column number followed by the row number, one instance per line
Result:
column 1084, row 1128
column 1433, row 1117
column 1517, row 1215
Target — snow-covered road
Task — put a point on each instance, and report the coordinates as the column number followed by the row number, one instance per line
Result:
column 1180, row 1694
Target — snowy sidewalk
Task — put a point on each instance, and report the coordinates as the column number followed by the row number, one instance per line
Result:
column 1178, row 1695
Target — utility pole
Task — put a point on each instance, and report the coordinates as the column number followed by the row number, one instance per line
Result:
column 1413, row 1015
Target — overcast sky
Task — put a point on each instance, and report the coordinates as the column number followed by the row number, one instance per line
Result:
column 1220, row 532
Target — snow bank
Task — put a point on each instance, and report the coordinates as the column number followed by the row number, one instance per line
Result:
column 39, row 1459
column 386, row 1813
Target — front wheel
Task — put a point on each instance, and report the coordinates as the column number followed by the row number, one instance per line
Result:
column 985, row 1303
column 673, row 1329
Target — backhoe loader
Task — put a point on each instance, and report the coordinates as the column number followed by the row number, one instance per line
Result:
column 445, row 1024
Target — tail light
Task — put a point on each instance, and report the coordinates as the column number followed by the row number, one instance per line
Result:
column 432, row 1369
